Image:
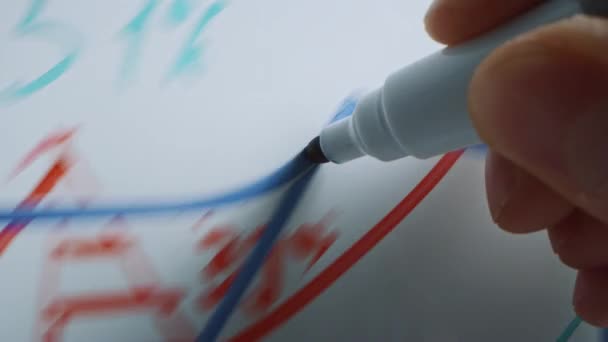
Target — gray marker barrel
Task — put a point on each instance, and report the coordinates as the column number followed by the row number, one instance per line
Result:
column 422, row 110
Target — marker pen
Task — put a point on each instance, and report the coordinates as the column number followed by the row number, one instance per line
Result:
column 421, row 110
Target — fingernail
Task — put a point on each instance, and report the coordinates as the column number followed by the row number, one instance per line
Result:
column 501, row 183
column 546, row 110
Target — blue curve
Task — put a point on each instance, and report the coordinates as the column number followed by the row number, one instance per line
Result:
column 275, row 180
column 280, row 177
column 256, row 259
column 299, row 169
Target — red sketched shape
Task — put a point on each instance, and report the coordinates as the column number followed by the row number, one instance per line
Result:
column 270, row 283
column 162, row 302
column 56, row 173
column 104, row 245
column 57, row 139
column 309, row 292
column 310, row 240
column 226, row 238
column 44, row 187
column 144, row 292
column 233, row 249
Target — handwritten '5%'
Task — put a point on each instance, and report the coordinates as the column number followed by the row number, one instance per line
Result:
column 34, row 25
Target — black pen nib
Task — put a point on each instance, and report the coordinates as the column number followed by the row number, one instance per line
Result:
column 314, row 153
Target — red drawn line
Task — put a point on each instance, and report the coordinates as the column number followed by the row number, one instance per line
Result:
column 45, row 145
column 50, row 180
column 164, row 300
column 61, row 312
column 104, row 245
column 351, row 256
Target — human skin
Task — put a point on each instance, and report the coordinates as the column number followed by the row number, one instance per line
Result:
column 540, row 102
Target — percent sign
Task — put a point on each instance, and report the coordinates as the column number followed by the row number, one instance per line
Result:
column 70, row 42
column 189, row 55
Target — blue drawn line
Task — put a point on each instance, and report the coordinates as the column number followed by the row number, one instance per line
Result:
column 256, row 259
column 280, row 177
column 275, row 180
column 190, row 54
column 300, row 167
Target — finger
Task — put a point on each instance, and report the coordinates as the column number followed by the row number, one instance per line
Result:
column 541, row 101
column 581, row 241
column 591, row 298
column 518, row 202
column 454, row 21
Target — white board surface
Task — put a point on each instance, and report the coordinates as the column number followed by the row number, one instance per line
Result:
column 146, row 100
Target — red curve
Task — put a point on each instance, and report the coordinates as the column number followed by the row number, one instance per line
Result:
column 351, row 256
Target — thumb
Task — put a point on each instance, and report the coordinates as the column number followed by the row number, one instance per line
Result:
column 542, row 101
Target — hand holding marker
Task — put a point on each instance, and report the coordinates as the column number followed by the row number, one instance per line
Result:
column 539, row 101
column 422, row 111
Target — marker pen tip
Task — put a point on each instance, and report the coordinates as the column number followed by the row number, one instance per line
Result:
column 314, row 153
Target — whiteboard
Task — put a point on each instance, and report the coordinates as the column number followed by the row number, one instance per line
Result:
column 149, row 100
